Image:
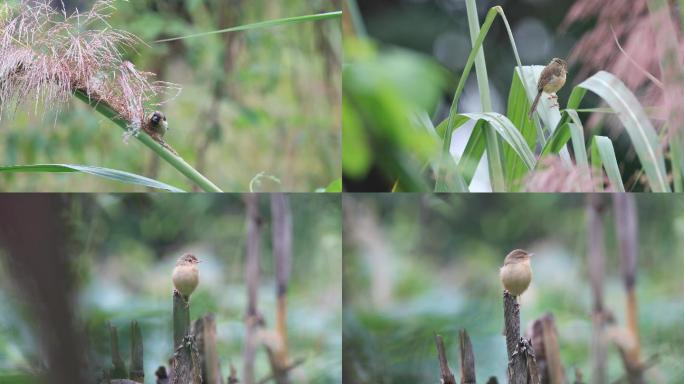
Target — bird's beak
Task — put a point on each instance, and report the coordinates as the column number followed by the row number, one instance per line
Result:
column 530, row 254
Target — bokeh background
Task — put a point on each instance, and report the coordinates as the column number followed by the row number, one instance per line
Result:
column 122, row 251
column 418, row 264
column 261, row 101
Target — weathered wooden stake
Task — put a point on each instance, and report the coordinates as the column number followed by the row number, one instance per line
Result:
column 446, row 374
column 522, row 366
column 467, row 362
column 118, row 366
column 137, row 372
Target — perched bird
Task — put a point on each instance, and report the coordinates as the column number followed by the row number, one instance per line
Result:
column 156, row 124
column 551, row 80
column 516, row 272
column 186, row 275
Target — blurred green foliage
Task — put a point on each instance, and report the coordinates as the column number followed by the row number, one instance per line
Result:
column 384, row 90
column 416, row 264
column 264, row 100
column 125, row 247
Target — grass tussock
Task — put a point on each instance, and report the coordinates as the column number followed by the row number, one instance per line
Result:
column 47, row 55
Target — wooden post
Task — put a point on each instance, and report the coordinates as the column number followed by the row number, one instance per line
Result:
column 185, row 364
column 522, row 366
column 181, row 318
column 467, row 358
column 118, row 366
column 137, row 372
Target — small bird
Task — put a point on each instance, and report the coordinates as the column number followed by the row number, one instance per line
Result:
column 516, row 272
column 186, row 275
column 157, row 124
column 551, row 80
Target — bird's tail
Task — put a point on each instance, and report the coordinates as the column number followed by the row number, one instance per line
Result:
column 534, row 104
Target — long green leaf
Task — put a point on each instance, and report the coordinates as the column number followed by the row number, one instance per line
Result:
column 603, row 154
column 577, row 134
column 453, row 180
column 518, row 105
column 107, row 173
column 472, row 154
column 496, row 165
column 637, row 124
column 453, row 111
column 262, row 24
column 509, row 133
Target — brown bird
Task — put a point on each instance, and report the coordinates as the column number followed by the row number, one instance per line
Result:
column 516, row 272
column 186, row 275
column 551, row 80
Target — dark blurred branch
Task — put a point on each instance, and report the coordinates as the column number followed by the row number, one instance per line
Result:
column 204, row 330
column 595, row 210
column 467, row 358
column 445, row 372
column 544, row 337
column 34, row 233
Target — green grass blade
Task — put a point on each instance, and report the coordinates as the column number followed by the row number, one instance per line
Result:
column 603, row 154
column 335, row 186
column 557, row 140
column 175, row 161
column 262, row 24
column 495, row 161
column 453, row 180
column 107, row 173
column 518, row 105
column 637, row 124
column 472, row 154
column 578, row 142
column 509, row 133
column 453, row 111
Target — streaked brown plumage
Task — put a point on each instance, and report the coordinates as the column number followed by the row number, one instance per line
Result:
column 551, row 80
column 516, row 273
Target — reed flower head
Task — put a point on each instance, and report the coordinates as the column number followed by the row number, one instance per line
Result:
column 46, row 55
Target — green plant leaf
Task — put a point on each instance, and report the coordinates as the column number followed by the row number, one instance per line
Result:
column 636, row 123
column 334, row 186
column 518, row 106
column 494, row 159
column 603, row 154
column 262, row 24
column 509, row 133
column 107, row 173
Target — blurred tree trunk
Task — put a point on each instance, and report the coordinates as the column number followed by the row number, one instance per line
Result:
column 34, row 232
